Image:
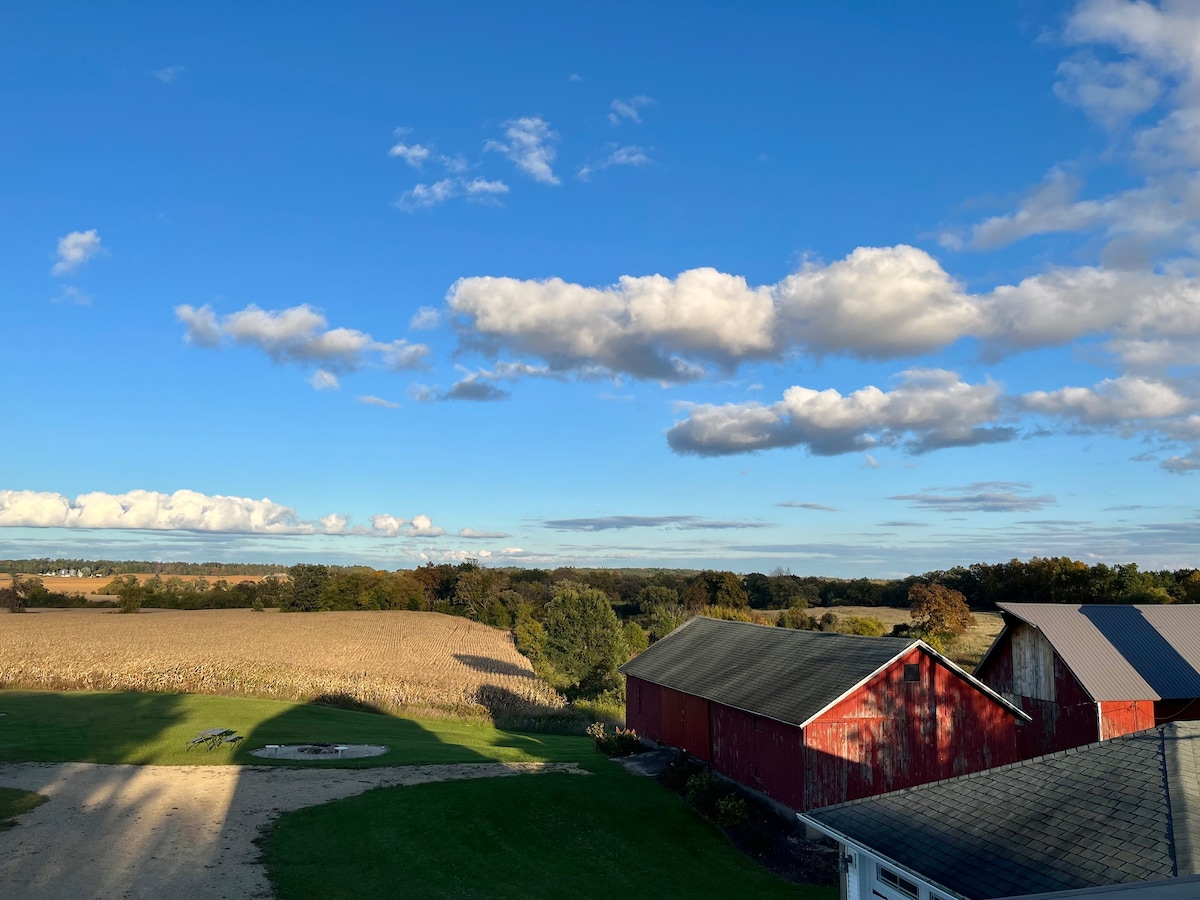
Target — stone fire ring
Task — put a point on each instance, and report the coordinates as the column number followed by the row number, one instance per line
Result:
column 319, row 752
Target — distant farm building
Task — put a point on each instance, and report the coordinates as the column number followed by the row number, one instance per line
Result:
column 810, row 718
column 1071, row 824
column 1088, row 673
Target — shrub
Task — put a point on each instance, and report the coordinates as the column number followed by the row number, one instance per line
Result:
column 679, row 772
column 622, row 742
column 871, row 626
column 257, row 605
column 730, row 810
column 702, row 792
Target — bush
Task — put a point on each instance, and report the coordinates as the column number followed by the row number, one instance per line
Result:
column 702, row 792
column 622, row 742
column 871, row 626
column 730, row 810
column 679, row 772
column 257, row 605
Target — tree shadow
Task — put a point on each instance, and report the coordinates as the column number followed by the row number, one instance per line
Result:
column 493, row 666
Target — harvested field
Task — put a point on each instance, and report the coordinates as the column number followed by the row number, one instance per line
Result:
column 966, row 649
column 392, row 660
column 89, row 586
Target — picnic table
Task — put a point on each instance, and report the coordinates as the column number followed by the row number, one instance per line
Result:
column 214, row 738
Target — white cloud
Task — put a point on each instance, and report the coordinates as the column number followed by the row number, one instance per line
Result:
column 628, row 109
column 425, row 318
column 426, row 196
column 980, row 496
column 324, row 381
column 413, row 154
column 481, row 535
column 928, row 409
column 621, row 156
column 169, row 74
column 75, row 249
column 1114, row 402
column 180, row 511
column 529, row 143
column 417, row 526
column 1181, row 465
column 298, row 334
column 372, row 400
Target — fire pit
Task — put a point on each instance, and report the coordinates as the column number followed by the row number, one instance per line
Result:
column 319, row 751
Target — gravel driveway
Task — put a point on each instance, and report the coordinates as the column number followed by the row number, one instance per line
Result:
column 175, row 831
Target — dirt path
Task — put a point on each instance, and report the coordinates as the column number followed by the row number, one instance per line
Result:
column 175, row 831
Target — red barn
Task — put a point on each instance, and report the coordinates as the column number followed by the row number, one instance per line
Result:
column 810, row 718
column 1090, row 672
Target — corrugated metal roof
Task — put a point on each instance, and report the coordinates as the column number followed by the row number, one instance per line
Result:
column 1118, row 652
column 1116, row 812
column 781, row 673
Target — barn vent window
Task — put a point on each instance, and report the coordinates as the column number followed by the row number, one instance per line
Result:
column 893, row 880
column 912, row 672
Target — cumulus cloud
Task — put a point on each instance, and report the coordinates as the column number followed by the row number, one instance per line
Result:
column 475, row 389
column 628, row 109
column 324, row 381
column 927, row 410
column 682, row 523
column 372, row 400
column 298, row 334
column 417, row 526
column 69, row 294
column 620, row 156
column 75, row 249
column 1181, row 465
column 1114, row 401
column 413, row 154
column 979, row 496
column 529, row 142
column 180, row 511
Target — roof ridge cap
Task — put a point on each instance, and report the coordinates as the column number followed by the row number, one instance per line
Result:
column 1182, row 770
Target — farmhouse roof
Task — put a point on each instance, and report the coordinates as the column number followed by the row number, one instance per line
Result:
column 780, row 673
column 1122, row 652
column 1117, row 812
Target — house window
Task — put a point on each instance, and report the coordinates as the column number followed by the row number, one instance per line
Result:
column 912, row 672
column 893, row 880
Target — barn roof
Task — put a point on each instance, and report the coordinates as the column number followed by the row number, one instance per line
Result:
column 780, row 673
column 1122, row 652
column 1117, row 812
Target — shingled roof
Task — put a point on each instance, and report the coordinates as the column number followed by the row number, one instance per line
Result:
column 780, row 673
column 1118, row 812
column 1122, row 652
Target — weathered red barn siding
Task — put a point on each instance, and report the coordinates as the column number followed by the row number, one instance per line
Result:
column 685, row 722
column 759, row 753
column 643, row 707
column 1118, row 717
column 1068, row 719
column 891, row 734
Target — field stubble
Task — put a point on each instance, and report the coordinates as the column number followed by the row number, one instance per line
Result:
column 394, row 661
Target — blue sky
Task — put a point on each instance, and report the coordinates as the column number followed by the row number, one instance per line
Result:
column 844, row 288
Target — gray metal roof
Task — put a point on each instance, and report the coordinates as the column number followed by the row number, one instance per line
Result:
column 1118, row 812
column 1119, row 652
column 781, row 673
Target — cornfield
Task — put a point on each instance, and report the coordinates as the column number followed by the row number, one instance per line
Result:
column 387, row 660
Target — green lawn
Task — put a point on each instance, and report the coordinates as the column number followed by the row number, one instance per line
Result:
column 153, row 729
column 602, row 835
column 14, row 802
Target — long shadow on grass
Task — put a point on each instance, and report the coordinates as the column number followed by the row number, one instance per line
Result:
column 61, row 849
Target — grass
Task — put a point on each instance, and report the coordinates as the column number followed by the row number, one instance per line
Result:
column 601, row 835
column 14, row 802
column 153, row 729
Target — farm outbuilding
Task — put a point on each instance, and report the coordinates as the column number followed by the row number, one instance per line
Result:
column 1091, row 672
column 1086, row 820
column 812, row 718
